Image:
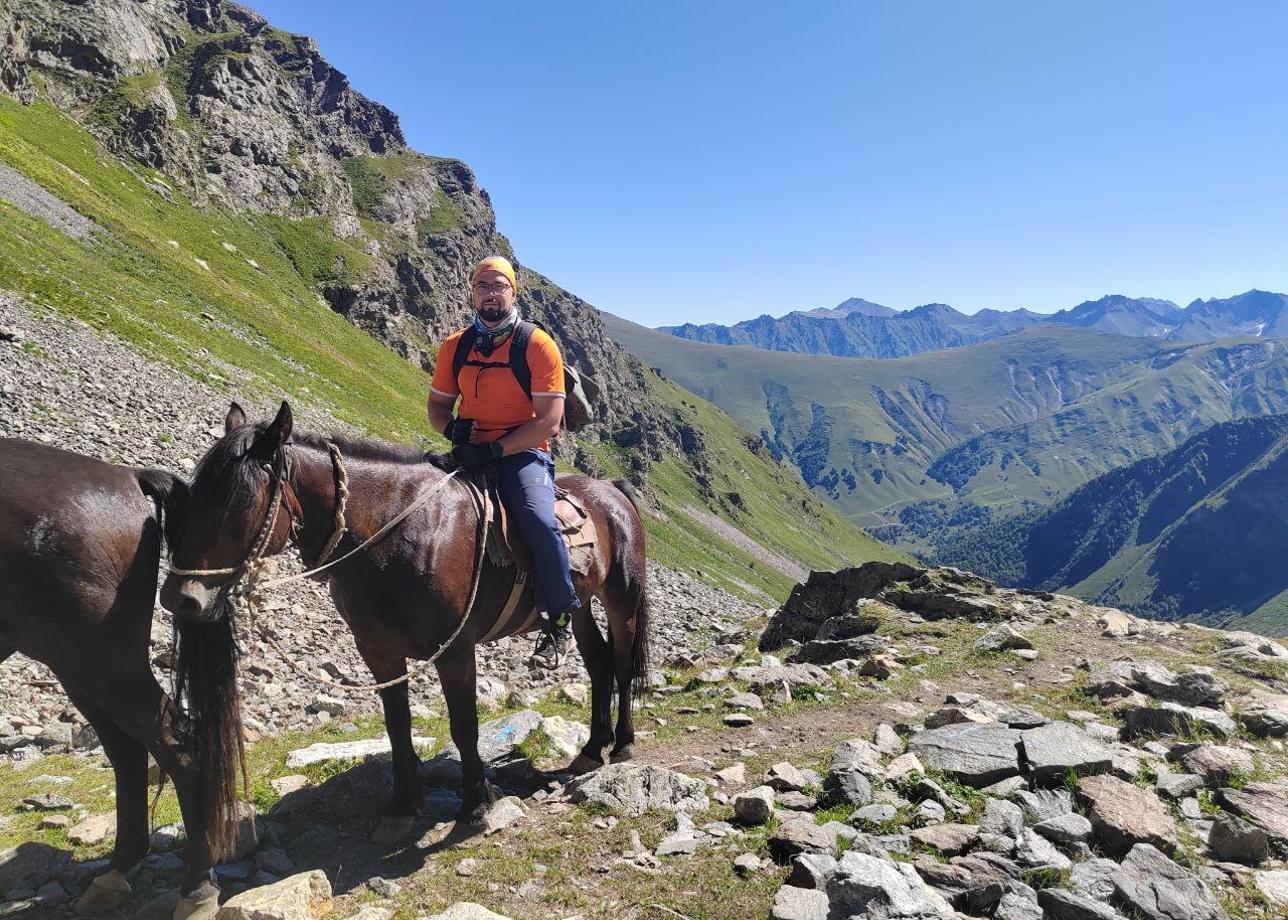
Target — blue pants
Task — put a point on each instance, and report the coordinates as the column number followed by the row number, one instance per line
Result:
column 528, row 489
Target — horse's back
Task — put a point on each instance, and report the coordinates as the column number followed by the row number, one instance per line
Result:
column 78, row 538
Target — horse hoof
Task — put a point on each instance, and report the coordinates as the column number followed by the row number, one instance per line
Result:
column 584, row 764
column 621, row 756
column 392, row 828
column 106, row 892
column 204, row 907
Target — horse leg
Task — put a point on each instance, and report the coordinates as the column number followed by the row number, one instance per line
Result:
column 598, row 658
column 457, row 672
column 129, row 760
column 621, row 635
column 400, row 811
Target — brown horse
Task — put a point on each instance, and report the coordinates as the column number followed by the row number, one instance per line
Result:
column 404, row 596
column 80, row 544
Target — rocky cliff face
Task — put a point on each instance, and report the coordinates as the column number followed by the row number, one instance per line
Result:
column 240, row 115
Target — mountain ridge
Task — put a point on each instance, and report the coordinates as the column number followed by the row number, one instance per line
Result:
column 863, row 332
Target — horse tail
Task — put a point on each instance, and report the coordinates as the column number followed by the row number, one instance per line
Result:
column 206, row 685
column 170, row 495
column 635, row 575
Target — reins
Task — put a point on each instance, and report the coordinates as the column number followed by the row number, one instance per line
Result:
column 249, row 586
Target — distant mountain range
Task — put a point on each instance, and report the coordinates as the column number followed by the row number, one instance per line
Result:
column 860, row 328
column 1199, row 530
column 962, row 435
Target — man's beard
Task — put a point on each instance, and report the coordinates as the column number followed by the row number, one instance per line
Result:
column 493, row 314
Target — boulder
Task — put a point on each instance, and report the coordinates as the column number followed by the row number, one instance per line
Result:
column 1265, row 716
column 306, row 896
column 93, row 830
column 499, row 740
column 798, row 836
column 467, row 910
column 1264, row 805
column 1273, row 886
column 1177, row 786
column 29, row 865
column 974, row 754
column 791, row 903
column 810, row 870
column 1233, row 839
column 1054, row 749
column 1033, row 851
column 1058, row 904
column 1044, row 804
column 868, row 886
column 1094, row 878
column 1123, row 815
column 755, row 806
column 1019, row 903
column 1065, row 830
column 966, row 889
column 1174, row 719
column 1217, row 764
column 785, row 777
column 856, row 754
column 949, row 839
column 842, row 787
column 1002, row 638
column 797, row 678
column 347, row 750
column 825, row 595
column 1156, row 888
column 1001, row 817
column 635, row 789
column 565, row 736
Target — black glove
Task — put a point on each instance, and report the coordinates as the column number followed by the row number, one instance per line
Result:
column 473, row 457
column 459, row 430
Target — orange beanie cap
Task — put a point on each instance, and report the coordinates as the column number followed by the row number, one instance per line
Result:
column 495, row 264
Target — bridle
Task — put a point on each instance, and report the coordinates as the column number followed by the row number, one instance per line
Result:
column 249, row 586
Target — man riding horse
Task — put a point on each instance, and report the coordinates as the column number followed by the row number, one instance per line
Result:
column 504, row 423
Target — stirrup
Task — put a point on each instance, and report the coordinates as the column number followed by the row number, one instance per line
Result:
column 552, row 648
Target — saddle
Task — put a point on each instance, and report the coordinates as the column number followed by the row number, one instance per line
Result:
column 506, row 549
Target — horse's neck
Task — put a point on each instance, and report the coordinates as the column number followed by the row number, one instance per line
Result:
column 373, row 487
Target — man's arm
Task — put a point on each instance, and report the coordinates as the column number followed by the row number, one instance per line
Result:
column 549, row 409
column 440, row 410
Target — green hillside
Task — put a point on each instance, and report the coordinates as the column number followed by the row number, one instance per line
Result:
column 250, row 320
column 1196, row 533
column 976, row 432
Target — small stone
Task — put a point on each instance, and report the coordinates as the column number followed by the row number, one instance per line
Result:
column 93, row 830
column 747, row 864
column 575, row 693
column 1065, row 830
column 949, row 839
column 785, row 777
column 506, row 812
column 735, row 775
column 799, row 904
column 285, row 785
column 738, row 720
column 48, row 801
column 384, row 887
column 467, row 866
column 754, row 806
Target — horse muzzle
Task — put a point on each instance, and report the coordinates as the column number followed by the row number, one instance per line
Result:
column 191, row 598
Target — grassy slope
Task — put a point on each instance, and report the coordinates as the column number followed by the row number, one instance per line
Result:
column 265, row 329
column 991, row 413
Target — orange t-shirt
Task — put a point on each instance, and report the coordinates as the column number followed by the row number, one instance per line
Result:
column 491, row 395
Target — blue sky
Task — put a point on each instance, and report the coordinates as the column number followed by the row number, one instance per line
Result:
column 710, row 161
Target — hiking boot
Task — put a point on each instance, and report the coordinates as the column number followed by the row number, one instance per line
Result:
column 552, row 647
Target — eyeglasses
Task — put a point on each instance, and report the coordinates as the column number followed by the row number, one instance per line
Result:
column 495, row 287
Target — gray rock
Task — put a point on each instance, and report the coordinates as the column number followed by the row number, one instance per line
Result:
column 784, row 777
column 1218, row 763
column 928, row 812
column 1053, row 749
column 504, row 813
column 30, row 865
column 1094, row 878
column 1001, row 817
column 1044, row 804
column 810, row 870
column 1021, row 904
column 1273, row 886
column 1177, row 785
column 872, row 815
column 1156, row 888
column 791, row 903
column 929, row 789
column 868, row 886
column 855, row 754
column 972, row 753
column 846, row 787
column 1123, row 815
column 1174, row 719
column 384, row 887
column 1065, row 830
column 755, row 806
column 887, row 739
column 1002, row 638
column 1034, row 851
column 949, row 839
column 964, row 886
column 638, row 788
column 1264, row 805
column 798, row 836
column 1058, row 904
column 1233, row 839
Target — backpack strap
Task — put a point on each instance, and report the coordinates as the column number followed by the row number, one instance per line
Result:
column 519, row 354
column 464, row 345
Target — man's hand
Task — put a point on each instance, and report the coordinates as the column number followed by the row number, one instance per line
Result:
column 459, row 430
column 473, row 457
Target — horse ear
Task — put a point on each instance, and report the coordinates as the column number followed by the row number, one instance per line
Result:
column 235, row 418
column 277, row 434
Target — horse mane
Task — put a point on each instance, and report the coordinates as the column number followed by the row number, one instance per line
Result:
column 374, row 449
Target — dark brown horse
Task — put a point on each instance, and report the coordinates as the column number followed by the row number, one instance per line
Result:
column 404, row 596
column 80, row 544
